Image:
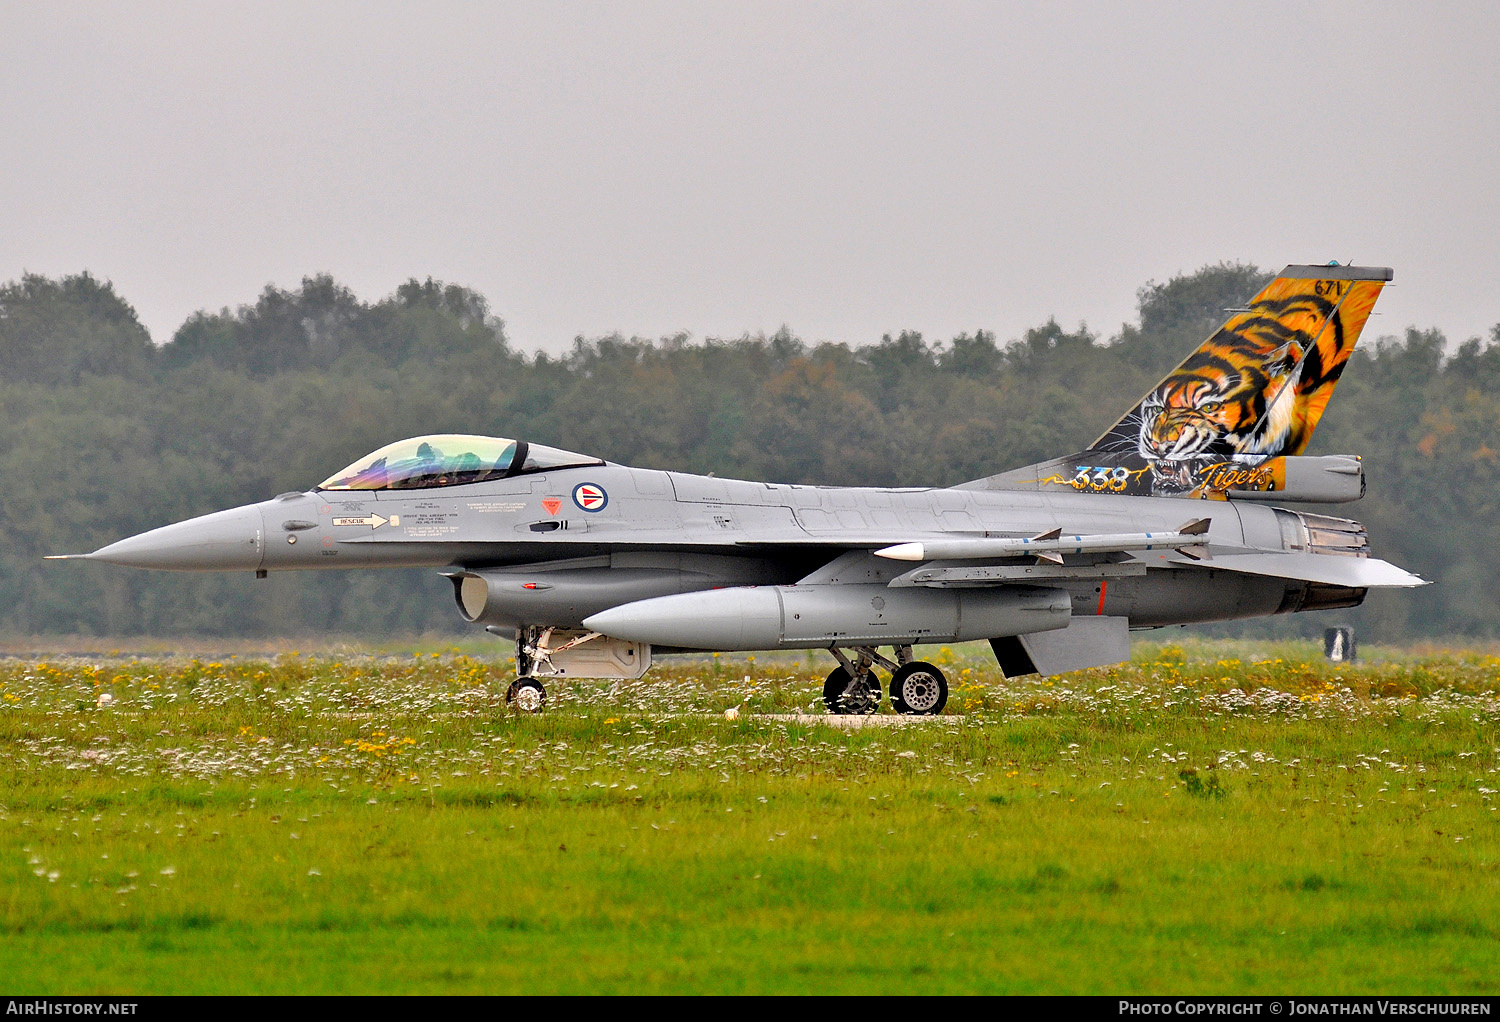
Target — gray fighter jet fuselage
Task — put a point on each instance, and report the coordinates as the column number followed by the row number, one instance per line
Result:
column 593, row 567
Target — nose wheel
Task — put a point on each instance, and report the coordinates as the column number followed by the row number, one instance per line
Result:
column 526, row 695
column 918, row 688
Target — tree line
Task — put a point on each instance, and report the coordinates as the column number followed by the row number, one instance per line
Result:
column 104, row 434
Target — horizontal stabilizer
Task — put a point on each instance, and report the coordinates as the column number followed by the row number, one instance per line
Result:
column 1353, row 572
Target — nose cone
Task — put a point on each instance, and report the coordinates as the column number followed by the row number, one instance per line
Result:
column 223, row 541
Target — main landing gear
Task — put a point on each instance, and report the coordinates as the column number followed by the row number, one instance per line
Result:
column 916, row 687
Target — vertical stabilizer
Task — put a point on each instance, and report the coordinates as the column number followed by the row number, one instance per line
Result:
column 1249, row 396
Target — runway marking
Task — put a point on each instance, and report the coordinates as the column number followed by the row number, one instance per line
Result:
column 847, row 720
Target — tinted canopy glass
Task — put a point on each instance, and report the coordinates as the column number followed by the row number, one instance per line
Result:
column 449, row 459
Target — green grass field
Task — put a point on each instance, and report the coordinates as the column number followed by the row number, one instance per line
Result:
column 1229, row 818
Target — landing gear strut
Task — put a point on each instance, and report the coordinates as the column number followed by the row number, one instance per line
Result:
column 916, row 687
column 534, row 649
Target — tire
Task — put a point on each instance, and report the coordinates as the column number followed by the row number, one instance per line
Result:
column 526, row 695
column 919, row 688
column 837, row 702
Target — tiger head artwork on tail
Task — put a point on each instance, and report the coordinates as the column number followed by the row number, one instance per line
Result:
column 1248, row 397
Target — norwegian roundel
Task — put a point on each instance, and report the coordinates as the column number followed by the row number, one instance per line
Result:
column 590, row 496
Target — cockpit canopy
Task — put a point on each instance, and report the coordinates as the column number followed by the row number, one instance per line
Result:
column 449, row 459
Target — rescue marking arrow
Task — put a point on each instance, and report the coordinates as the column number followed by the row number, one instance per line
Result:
column 373, row 521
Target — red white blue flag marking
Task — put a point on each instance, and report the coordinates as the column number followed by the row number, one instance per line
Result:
column 590, row 496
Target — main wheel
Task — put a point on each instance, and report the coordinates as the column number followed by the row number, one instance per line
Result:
column 863, row 699
column 918, row 687
column 526, row 695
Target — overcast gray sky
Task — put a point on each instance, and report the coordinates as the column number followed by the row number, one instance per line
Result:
column 848, row 169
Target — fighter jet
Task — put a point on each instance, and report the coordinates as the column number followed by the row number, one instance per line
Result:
column 1173, row 516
